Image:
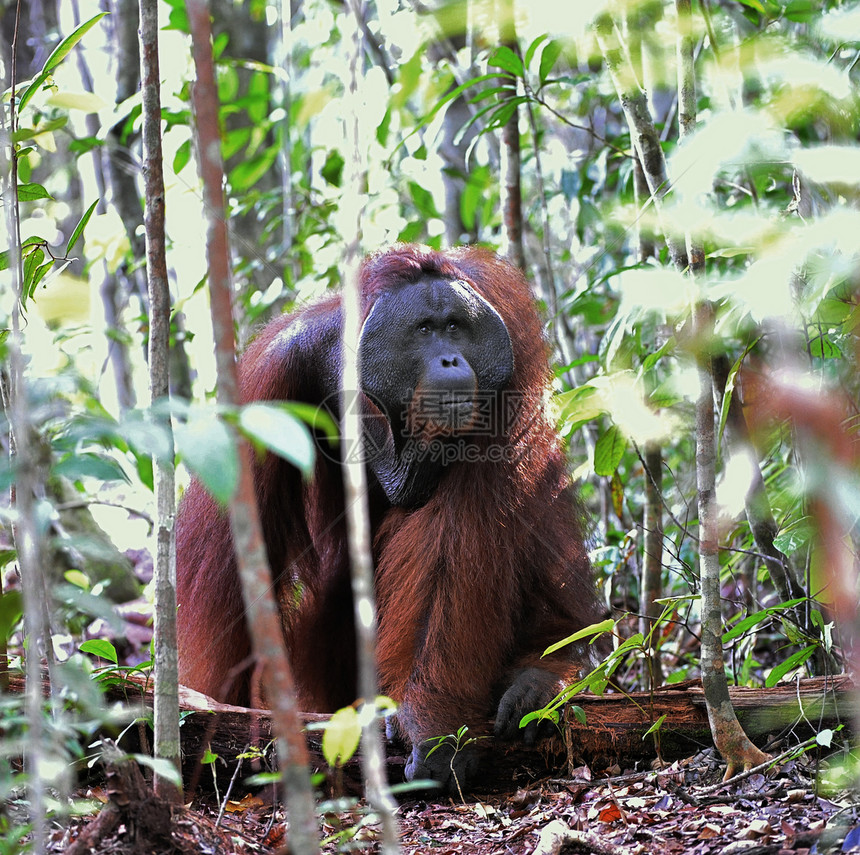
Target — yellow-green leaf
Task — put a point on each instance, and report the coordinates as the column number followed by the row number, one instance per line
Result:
column 87, row 102
column 341, row 736
column 608, row 451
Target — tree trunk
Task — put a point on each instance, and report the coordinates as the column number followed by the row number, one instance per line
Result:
column 729, row 737
column 651, row 588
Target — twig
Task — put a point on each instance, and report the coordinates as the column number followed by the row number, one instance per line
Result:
column 229, row 789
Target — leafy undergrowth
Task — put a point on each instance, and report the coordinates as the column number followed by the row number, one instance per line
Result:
column 682, row 809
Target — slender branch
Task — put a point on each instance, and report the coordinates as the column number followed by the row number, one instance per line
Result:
column 355, row 478
column 166, row 700
column 260, row 606
column 604, row 141
column 511, row 172
column 24, row 530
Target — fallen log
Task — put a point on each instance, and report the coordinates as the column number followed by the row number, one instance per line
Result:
column 613, row 732
column 616, row 724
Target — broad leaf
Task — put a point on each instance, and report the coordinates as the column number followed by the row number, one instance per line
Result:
column 341, row 736
column 60, row 53
column 208, row 448
column 278, row 430
column 100, row 647
column 608, row 451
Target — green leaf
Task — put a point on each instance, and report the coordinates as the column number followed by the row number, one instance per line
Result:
column 453, row 94
column 532, row 49
column 60, row 53
column 32, row 262
column 501, row 115
column 341, row 736
column 579, row 405
column 257, row 99
column 409, row 75
column 652, row 359
column 823, row 347
column 32, row 192
column 730, row 387
column 43, row 127
column 742, row 626
column 161, row 767
column 79, row 228
column 656, row 726
column 548, row 60
column 505, row 91
column 423, row 200
column 332, row 169
column 100, row 647
column 182, row 157
column 542, row 715
column 412, row 232
column 208, row 448
column 39, row 274
column 89, row 465
column 143, row 464
column 177, row 18
column 578, row 712
column 11, row 610
column 86, row 102
column 145, row 436
column 250, row 171
column 78, row 579
column 608, row 451
column 795, row 536
column 732, row 252
column 594, row 629
column 506, row 59
column 266, row 779
column 209, row 756
column 802, row 11
column 277, row 429
column 234, row 141
column 794, row 661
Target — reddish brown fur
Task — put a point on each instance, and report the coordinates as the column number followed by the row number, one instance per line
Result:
column 472, row 586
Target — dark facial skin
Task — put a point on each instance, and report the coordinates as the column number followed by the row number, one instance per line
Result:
column 429, row 351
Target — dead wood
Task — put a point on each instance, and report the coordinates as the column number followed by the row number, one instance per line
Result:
column 616, row 723
column 131, row 803
column 613, row 733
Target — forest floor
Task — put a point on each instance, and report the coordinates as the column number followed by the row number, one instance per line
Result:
column 681, row 809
